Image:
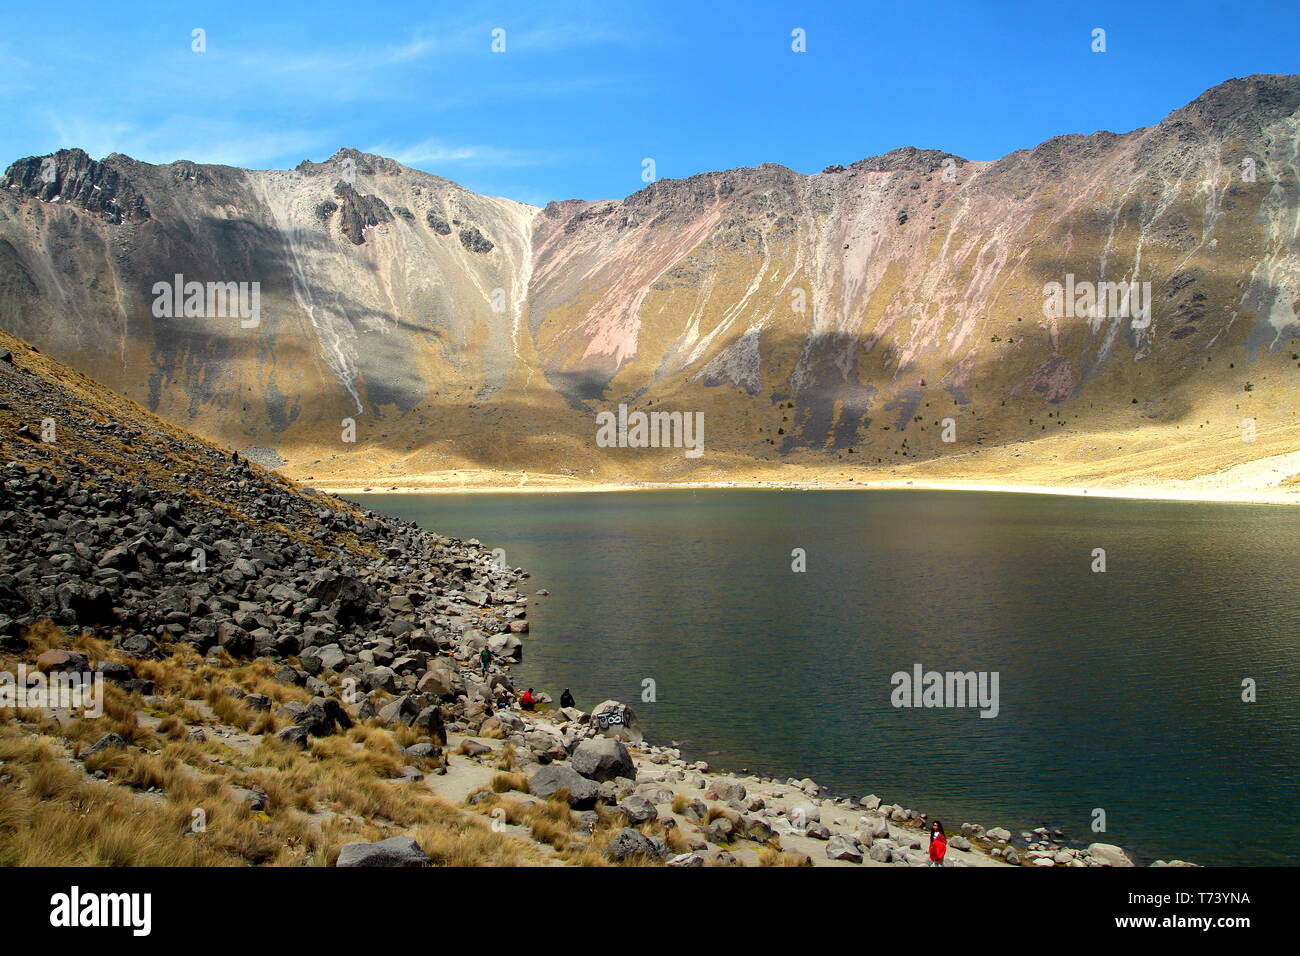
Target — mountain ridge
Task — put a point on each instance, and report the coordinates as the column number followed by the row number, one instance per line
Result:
column 809, row 316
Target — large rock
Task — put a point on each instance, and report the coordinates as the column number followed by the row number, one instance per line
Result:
column 110, row 741
column 881, row 851
column 295, row 735
column 439, row 680
column 547, row 781
column 352, row 601
column 843, row 848
column 616, row 720
column 803, row 814
column 395, row 851
column 727, row 790
column 628, row 843
column 638, row 810
column 875, row 824
column 1107, row 854
column 322, row 717
column 60, row 661
column 603, row 758
column 430, row 720
column 506, row 646
column 331, row 657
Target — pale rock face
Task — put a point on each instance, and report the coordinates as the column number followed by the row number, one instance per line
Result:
column 835, row 307
column 1107, row 854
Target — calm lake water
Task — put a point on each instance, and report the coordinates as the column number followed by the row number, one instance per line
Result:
column 1118, row 690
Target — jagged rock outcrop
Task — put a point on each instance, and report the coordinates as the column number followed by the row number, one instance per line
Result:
column 72, row 177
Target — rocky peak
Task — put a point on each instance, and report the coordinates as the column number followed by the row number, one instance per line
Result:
column 1239, row 106
column 366, row 164
column 71, row 177
column 907, row 159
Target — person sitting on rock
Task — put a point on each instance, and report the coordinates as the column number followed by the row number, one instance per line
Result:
column 566, row 699
column 938, row 844
column 528, row 701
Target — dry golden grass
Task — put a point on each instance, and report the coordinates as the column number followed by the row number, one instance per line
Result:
column 717, row 812
column 168, row 800
column 503, row 782
column 773, row 857
column 232, row 711
column 506, row 758
column 677, row 841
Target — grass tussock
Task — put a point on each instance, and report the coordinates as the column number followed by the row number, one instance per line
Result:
column 772, row 857
column 504, row 782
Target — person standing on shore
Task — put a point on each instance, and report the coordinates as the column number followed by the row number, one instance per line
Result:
column 938, row 844
column 485, row 658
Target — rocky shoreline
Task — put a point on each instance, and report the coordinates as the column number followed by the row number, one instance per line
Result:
column 643, row 781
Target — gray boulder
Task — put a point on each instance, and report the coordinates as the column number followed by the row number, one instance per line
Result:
column 628, row 843
column 331, row 657
column 603, row 758
column 881, row 851
column 843, row 848
column 506, row 646
column 107, row 742
column 638, row 810
column 727, row 790
column 295, row 735
column 875, row 824
column 615, row 719
column 553, row 777
column 438, row 680
column 395, row 851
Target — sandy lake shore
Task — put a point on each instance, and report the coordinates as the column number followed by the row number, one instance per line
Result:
column 466, row 483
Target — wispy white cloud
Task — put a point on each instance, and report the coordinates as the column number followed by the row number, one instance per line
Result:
column 464, row 36
column 185, row 137
column 436, row 152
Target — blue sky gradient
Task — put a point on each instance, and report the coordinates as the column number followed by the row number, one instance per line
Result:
column 585, row 91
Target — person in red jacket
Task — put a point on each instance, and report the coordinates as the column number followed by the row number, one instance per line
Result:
column 938, row 844
column 528, row 701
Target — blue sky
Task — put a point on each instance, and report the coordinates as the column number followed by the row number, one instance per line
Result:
column 585, row 91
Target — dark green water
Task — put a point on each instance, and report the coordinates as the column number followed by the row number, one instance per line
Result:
column 1119, row 690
